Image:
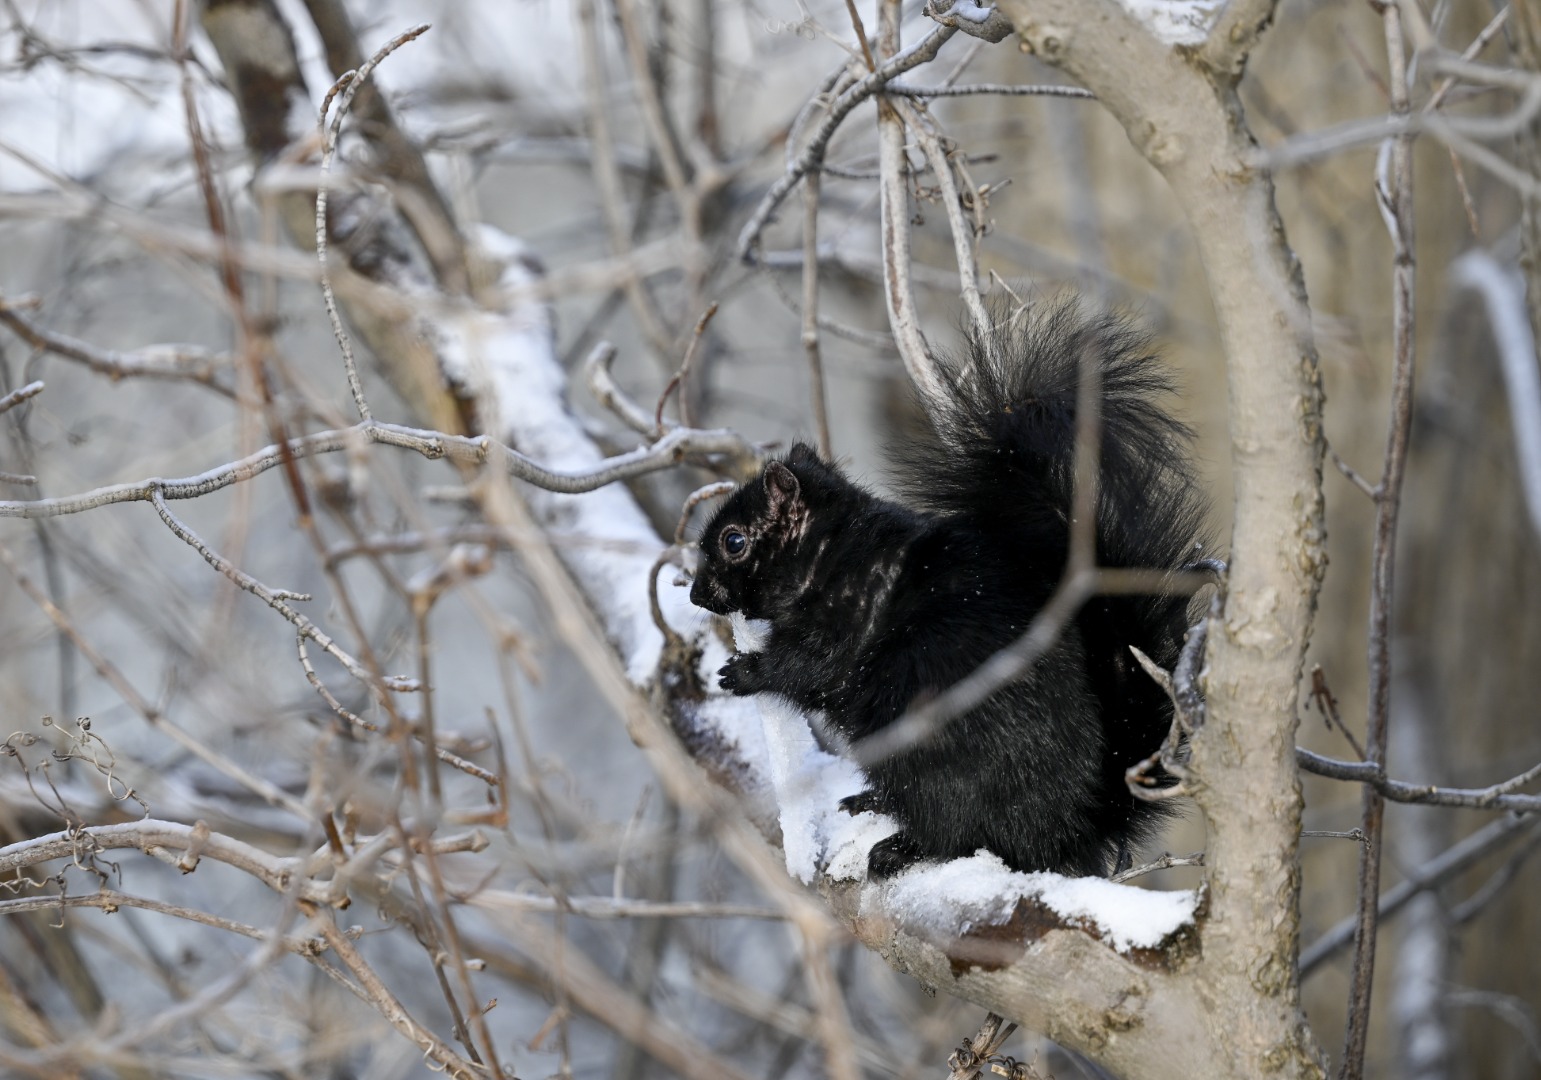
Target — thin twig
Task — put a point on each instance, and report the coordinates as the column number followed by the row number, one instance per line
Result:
column 1373, row 774
column 392, row 1009
column 1046, row 90
column 1490, row 889
column 677, row 380
column 881, row 340
column 700, row 495
column 16, row 397
column 137, row 701
column 672, row 640
column 609, row 907
column 861, row 34
column 1166, row 861
column 349, row 85
column 894, row 214
column 812, row 156
column 607, row 175
column 602, row 384
column 277, row 600
column 962, row 235
column 1333, row 834
column 667, row 452
column 1478, row 43
column 810, row 305
column 1322, row 695
column 454, row 761
column 1353, row 476
column 1394, row 191
column 155, row 362
column 399, row 159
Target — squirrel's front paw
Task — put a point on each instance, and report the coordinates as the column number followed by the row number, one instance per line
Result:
column 743, row 674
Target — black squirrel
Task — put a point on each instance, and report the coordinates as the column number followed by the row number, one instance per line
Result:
column 875, row 605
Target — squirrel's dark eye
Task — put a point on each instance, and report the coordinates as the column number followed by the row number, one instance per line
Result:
column 734, row 542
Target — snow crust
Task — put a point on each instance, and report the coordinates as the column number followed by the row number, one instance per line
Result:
column 1176, row 22
column 952, row 898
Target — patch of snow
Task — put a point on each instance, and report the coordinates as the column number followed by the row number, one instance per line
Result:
column 973, row 12
column 851, row 840
column 808, row 783
column 749, row 634
column 949, row 899
column 1176, row 22
column 511, row 357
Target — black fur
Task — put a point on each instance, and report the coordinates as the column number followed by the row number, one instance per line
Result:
column 874, row 605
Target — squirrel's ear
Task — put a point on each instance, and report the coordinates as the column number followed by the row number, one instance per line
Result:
column 803, row 454
column 781, row 486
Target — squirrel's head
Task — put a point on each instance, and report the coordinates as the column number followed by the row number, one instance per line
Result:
column 749, row 551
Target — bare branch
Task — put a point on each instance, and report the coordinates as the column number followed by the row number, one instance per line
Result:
column 998, row 89
column 391, row 1008
column 894, row 214
column 1497, row 797
column 962, row 236
column 677, row 380
column 155, row 362
column 349, row 84
column 16, row 397
column 1166, row 862
column 277, row 600
column 668, row 451
column 168, row 841
column 1394, row 190
column 596, row 370
column 813, row 152
column 135, row 700
column 606, row 907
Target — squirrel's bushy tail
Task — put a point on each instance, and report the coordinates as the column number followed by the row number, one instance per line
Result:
column 1007, row 432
